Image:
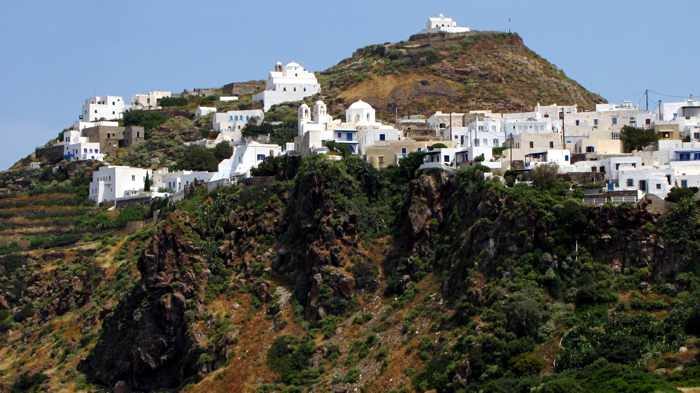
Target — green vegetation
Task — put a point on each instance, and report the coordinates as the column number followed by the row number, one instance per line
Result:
column 290, row 358
column 677, row 194
column 197, row 158
column 149, row 120
column 637, row 138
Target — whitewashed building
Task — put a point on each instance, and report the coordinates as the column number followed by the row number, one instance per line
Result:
column 204, row 111
column 113, row 182
column 103, row 108
column 178, row 181
column 359, row 130
column 236, row 120
column 78, row 148
column 559, row 157
column 245, row 157
column 443, row 24
column 287, row 83
column 149, row 100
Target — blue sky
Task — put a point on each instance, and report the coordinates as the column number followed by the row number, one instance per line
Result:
column 57, row 53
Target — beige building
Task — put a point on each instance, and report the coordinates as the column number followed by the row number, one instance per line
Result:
column 525, row 144
column 385, row 154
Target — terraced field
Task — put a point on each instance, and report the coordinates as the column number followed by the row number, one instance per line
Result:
column 31, row 222
column 64, row 263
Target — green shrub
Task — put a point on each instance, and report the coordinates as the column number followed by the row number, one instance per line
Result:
column 290, row 358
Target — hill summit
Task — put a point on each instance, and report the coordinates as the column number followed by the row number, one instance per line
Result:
column 452, row 72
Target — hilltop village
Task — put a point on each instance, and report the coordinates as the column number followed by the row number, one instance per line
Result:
column 587, row 145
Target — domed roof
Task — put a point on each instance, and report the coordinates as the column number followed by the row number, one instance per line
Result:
column 359, row 104
column 303, row 105
column 293, row 65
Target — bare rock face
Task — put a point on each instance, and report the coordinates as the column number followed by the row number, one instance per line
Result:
column 146, row 343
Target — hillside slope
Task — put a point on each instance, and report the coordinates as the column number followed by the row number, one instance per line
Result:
column 478, row 70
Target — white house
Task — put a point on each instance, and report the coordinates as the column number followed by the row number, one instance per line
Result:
column 103, row 108
column 559, row 157
column 228, row 98
column 287, row 83
column 149, row 100
column 443, row 24
column 245, row 157
column 78, row 148
column 176, row 182
column 203, row 111
column 236, row 120
column 682, row 170
column 112, row 183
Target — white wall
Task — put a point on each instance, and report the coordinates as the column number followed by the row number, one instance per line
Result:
column 103, row 108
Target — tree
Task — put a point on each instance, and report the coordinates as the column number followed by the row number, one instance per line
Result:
column 149, row 120
column 147, row 183
column 223, row 150
column 545, row 177
column 677, row 194
column 637, row 138
column 197, row 158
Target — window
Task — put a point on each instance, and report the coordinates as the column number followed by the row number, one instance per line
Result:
column 658, row 186
column 133, row 177
column 614, row 121
column 578, row 122
column 630, row 183
column 595, row 122
column 380, row 159
column 284, row 89
column 446, row 158
column 339, row 135
column 633, row 121
column 684, row 183
column 647, row 122
column 495, row 142
column 590, row 149
column 348, row 136
column 643, row 185
column 476, row 142
column 382, row 137
column 551, row 144
column 684, row 156
column 260, row 157
column 403, row 150
column 696, row 156
column 532, row 145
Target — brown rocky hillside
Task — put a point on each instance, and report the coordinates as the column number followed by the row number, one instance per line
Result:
column 478, row 70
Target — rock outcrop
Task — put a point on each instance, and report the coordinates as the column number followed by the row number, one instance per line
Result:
column 147, row 342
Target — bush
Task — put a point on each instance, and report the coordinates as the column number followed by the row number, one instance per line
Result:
column 290, row 358
column 678, row 194
column 149, row 120
column 172, row 101
column 527, row 364
column 197, row 158
column 29, row 383
column 223, row 150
